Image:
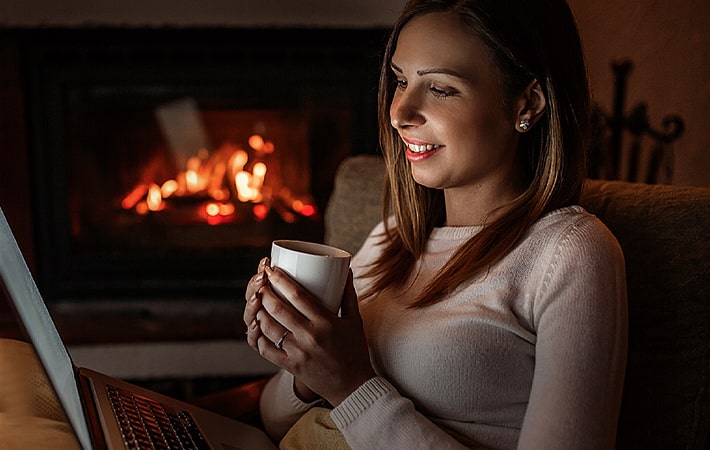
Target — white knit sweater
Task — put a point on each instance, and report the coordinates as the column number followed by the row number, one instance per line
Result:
column 529, row 356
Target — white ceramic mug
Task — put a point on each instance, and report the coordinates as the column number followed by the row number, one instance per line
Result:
column 321, row 269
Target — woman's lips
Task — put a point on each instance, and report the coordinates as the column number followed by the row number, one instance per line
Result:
column 421, row 148
column 418, row 151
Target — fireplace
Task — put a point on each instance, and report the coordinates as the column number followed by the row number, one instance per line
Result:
column 165, row 161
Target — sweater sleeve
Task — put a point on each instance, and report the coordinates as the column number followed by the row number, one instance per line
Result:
column 580, row 316
column 377, row 416
column 279, row 406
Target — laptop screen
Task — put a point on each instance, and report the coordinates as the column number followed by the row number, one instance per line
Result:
column 28, row 303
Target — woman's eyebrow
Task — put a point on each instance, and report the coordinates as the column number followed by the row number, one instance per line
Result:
column 444, row 71
column 422, row 72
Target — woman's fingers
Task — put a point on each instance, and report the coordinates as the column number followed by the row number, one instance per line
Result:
column 253, row 333
column 257, row 280
column 252, row 295
column 253, row 304
column 270, row 327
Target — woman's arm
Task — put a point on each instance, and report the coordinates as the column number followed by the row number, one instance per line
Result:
column 580, row 354
column 279, row 405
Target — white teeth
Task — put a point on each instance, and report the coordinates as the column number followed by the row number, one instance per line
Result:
column 421, row 148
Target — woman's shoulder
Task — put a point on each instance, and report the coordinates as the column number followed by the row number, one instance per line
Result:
column 573, row 228
column 567, row 217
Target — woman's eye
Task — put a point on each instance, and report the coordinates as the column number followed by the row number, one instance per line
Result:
column 441, row 93
column 401, row 84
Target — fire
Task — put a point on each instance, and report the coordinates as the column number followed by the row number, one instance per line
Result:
column 245, row 192
column 258, row 143
column 154, row 199
column 239, row 160
column 169, row 188
column 136, row 195
column 221, row 181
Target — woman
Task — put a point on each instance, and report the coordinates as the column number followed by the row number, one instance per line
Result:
column 488, row 311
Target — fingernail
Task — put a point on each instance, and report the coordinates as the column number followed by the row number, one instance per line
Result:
column 269, row 271
column 264, row 262
column 259, row 276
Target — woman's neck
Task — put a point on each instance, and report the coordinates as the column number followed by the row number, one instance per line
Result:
column 478, row 205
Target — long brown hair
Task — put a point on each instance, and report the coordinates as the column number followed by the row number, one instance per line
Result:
column 529, row 40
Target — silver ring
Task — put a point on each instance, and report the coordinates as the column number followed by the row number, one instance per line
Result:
column 280, row 343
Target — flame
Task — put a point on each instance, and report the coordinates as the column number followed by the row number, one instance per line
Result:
column 258, row 174
column 169, row 188
column 238, row 161
column 132, row 199
column 192, row 181
column 245, row 189
column 154, row 199
column 256, row 142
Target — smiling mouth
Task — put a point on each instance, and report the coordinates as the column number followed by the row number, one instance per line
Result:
column 421, row 148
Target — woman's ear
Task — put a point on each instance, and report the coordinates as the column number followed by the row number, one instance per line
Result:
column 530, row 106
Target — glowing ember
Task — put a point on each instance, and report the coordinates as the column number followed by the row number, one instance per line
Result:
column 260, row 211
column 308, row 210
column 212, row 209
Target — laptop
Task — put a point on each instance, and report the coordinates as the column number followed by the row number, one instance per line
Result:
column 105, row 412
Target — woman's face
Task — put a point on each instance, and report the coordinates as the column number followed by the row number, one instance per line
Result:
column 448, row 108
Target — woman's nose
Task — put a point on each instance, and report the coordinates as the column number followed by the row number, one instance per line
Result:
column 405, row 111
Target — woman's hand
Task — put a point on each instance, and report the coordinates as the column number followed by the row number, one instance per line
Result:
column 327, row 354
column 253, row 300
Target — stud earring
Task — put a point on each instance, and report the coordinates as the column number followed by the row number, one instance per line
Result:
column 524, row 124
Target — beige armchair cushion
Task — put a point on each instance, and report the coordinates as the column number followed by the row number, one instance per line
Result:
column 664, row 232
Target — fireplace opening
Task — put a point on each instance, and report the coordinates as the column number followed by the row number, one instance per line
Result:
column 166, row 161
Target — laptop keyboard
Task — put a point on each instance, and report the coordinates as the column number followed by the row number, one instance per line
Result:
column 148, row 424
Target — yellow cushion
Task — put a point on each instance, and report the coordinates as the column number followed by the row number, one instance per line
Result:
column 315, row 430
column 30, row 413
